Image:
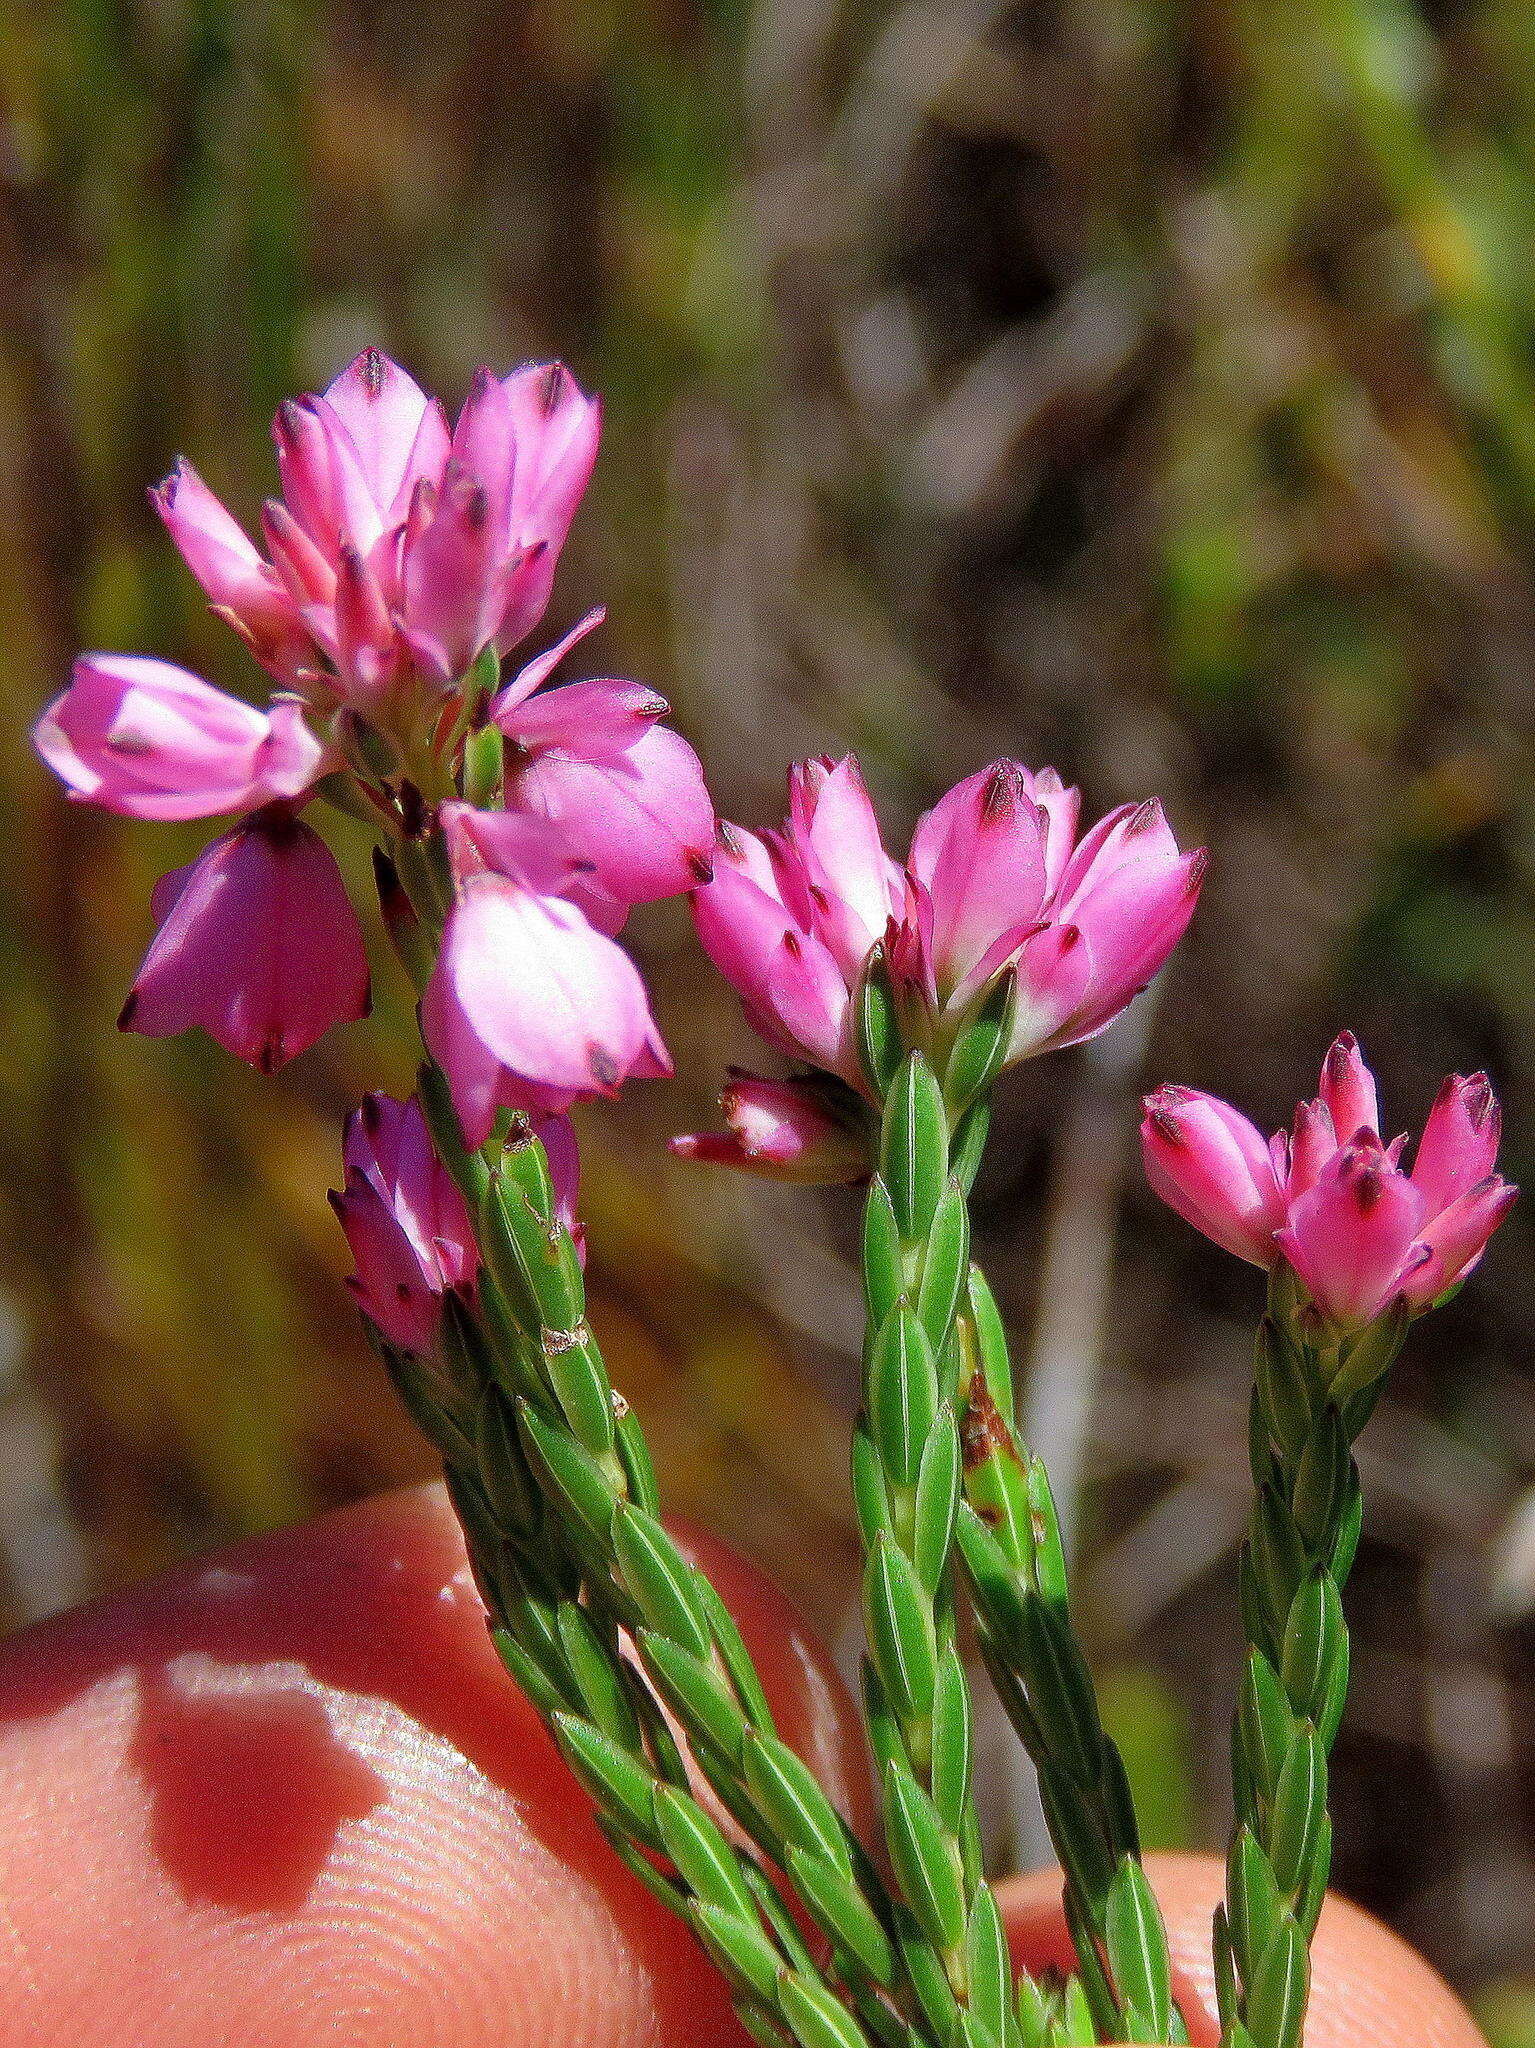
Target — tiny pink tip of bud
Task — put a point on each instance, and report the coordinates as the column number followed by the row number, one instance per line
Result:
column 1479, row 1099
column 163, row 494
column 1341, row 1055
column 1003, row 792
column 1145, row 816
column 551, row 385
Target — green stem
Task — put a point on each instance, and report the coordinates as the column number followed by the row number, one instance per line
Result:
column 907, row 1477
column 552, row 1482
column 1009, row 1537
column 1004, row 1523
column 1313, row 1394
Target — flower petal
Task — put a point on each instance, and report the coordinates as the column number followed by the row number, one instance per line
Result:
column 259, row 945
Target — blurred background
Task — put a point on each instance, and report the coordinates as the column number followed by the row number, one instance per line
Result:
column 1145, row 388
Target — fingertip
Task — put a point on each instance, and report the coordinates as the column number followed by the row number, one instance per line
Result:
column 289, row 1796
column 1369, row 1988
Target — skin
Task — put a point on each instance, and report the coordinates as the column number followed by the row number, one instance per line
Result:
column 286, row 1798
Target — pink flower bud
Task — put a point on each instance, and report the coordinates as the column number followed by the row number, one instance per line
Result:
column 1459, row 1147
column 1355, row 1238
column 323, row 482
column 1130, row 893
column 787, row 1130
column 555, row 430
column 245, row 591
column 153, row 741
column 405, row 1221
column 1214, row 1167
column 395, row 432
column 258, row 944
column 1457, row 1237
column 1347, row 1089
column 980, row 856
column 529, row 1007
column 794, row 993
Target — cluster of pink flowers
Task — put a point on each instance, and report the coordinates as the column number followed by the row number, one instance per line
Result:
column 403, row 561
column 996, row 881
column 1329, row 1196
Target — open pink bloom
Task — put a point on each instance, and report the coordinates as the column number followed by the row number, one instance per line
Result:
column 617, row 790
column 783, row 1129
column 996, row 880
column 258, row 943
column 152, row 740
column 529, row 1006
column 1329, row 1196
column 405, row 1221
column 1085, row 923
column 399, row 542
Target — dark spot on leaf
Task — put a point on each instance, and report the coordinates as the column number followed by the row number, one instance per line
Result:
column 413, row 810
column 604, row 1068
column 700, row 867
column 983, row 1433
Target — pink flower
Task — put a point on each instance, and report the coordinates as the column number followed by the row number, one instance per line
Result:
column 405, row 1221
column 153, row 741
column 1085, row 925
column 1216, row 1169
column 258, row 944
column 246, row 592
column 787, row 1130
column 616, row 789
column 995, row 881
column 399, row 544
column 529, row 1005
column 1330, row 1197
